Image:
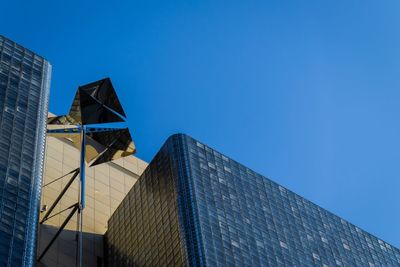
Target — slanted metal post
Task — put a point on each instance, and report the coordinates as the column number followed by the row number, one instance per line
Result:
column 46, row 216
column 76, row 206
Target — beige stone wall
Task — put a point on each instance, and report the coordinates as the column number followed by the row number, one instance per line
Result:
column 106, row 186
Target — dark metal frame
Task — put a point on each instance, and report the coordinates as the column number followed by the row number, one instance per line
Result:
column 46, row 216
column 75, row 208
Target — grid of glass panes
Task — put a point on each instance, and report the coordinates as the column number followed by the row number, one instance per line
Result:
column 246, row 219
column 229, row 215
column 144, row 229
column 24, row 88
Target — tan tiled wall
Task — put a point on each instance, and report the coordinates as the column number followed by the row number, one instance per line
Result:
column 106, row 186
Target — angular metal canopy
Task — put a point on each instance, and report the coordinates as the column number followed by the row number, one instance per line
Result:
column 95, row 103
column 102, row 144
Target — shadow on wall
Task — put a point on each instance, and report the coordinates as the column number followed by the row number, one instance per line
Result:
column 63, row 251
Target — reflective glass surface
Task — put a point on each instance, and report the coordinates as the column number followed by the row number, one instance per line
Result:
column 94, row 103
column 144, row 231
column 24, row 90
column 208, row 210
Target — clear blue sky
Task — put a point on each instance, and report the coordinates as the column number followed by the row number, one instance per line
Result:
column 304, row 92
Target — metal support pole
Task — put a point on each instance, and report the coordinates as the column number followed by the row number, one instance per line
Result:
column 81, row 196
column 83, row 165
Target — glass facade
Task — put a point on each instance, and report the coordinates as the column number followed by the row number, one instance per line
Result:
column 152, row 238
column 24, row 93
column 194, row 206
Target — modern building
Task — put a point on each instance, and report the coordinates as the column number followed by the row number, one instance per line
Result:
column 24, row 93
column 193, row 206
column 106, row 185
